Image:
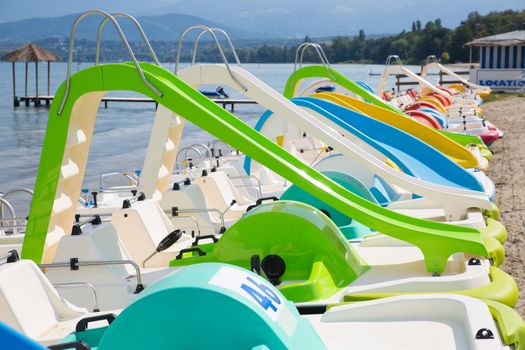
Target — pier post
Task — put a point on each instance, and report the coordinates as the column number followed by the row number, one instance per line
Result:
column 27, row 64
column 37, row 101
column 15, row 100
column 48, row 78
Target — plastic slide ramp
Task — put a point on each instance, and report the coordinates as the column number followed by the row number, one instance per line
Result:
column 400, row 69
column 68, row 136
column 409, row 125
column 449, row 143
column 432, row 62
column 453, row 200
column 406, row 124
column 411, row 155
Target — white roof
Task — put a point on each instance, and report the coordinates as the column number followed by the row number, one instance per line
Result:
column 516, row 37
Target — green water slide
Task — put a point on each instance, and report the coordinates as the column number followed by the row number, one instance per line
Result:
column 317, row 71
column 437, row 241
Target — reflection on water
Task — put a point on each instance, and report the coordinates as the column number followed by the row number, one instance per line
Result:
column 121, row 132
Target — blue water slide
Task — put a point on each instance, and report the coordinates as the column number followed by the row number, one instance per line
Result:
column 412, row 155
column 442, row 120
column 11, row 339
column 365, row 86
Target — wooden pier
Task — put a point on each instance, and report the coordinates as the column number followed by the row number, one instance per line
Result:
column 442, row 79
column 46, row 100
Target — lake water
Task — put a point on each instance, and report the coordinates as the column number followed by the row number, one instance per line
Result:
column 122, row 131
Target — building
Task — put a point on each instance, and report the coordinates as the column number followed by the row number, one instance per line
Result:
column 502, row 61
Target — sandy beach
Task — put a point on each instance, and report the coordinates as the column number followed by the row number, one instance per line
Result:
column 507, row 170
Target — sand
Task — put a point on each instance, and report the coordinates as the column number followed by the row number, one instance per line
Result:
column 507, row 170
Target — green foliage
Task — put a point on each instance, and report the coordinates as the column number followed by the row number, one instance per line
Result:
column 412, row 46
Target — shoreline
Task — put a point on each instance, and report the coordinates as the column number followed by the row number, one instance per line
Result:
column 507, row 170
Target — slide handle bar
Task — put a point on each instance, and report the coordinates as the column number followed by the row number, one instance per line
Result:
column 139, row 28
column 124, row 42
column 205, row 29
column 299, row 57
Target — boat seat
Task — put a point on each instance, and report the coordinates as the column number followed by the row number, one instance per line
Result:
column 245, row 186
column 228, row 189
column 11, row 242
column 141, row 227
column 30, row 304
column 308, row 149
column 191, row 197
column 220, row 192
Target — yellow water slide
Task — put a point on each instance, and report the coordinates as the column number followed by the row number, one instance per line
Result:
column 459, row 154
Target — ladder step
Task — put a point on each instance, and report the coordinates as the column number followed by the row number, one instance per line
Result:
column 163, row 172
column 69, row 170
column 169, row 147
column 77, row 138
column 62, row 204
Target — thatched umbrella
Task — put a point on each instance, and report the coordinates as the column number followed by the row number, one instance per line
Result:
column 30, row 53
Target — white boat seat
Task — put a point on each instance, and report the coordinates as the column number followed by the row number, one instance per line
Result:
column 32, row 306
column 191, row 197
column 220, row 192
column 247, row 187
column 227, row 188
column 140, row 229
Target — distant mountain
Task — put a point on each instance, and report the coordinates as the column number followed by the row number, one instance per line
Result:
column 277, row 18
column 317, row 18
column 158, row 27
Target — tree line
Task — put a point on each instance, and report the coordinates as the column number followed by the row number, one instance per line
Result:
column 412, row 46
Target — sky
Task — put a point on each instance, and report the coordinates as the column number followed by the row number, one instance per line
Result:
column 292, row 17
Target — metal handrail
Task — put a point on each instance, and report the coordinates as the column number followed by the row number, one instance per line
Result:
column 206, row 148
column 124, row 41
column 239, row 177
column 299, row 57
column 5, row 257
column 128, row 176
column 318, row 48
column 96, row 308
column 228, row 40
column 16, row 190
column 140, row 286
column 219, row 47
column 187, row 149
column 195, row 221
column 11, row 192
column 14, row 224
column 185, row 156
column 202, row 210
column 139, row 28
column 394, row 58
column 431, row 59
column 213, row 143
column 122, row 189
column 3, row 202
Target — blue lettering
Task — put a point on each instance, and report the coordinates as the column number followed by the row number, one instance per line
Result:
column 266, row 290
column 503, row 83
column 260, row 299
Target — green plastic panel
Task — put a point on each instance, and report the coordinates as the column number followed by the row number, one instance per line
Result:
column 437, row 241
